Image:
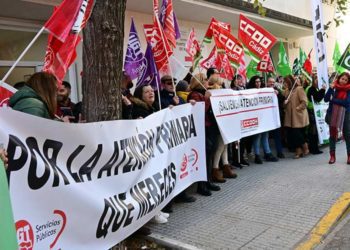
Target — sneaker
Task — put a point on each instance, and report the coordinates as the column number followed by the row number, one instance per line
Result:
column 258, row 160
column 244, row 163
column 270, row 157
column 159, row 219
column 165, row 215
column 280, row 155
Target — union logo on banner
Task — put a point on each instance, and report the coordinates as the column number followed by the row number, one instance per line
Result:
column 48, row 231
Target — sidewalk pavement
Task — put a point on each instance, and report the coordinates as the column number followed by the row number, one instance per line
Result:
column 339, row 239
column 269, row 206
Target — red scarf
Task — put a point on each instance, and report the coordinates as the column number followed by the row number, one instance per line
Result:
column 342, row 90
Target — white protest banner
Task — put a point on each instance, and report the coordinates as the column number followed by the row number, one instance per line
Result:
column 244, row 113
column 89, row 186
column 320, row 42
column 320, row 110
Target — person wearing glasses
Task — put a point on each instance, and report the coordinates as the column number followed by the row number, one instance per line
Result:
column 167, row 94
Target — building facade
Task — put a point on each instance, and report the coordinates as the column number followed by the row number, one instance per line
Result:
column 289, row 21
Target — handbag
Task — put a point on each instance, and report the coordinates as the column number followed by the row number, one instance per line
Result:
column 327, row 118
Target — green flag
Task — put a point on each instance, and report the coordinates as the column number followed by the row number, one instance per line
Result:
column 336, row 57
column 8, row 238
column 344, row 60
column 296, row 67
column 283, row 67
column 251, row 69
column 302, row 57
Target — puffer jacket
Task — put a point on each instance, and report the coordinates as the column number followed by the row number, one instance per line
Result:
column 28, row 101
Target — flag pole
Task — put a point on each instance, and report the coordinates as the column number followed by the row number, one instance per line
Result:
column 21, row 56
column 295, row 82
column 191, row 73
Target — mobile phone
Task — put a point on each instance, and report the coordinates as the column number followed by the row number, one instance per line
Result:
column 66, row 111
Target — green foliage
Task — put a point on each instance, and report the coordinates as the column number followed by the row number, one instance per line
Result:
column 341, row 9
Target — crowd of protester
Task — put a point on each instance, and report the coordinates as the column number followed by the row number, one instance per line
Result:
column 39, row 96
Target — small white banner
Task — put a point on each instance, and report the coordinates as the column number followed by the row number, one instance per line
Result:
column 320, row 110
column 243, row 113
column 89, row 186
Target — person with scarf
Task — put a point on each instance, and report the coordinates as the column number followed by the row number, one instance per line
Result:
column 338, row 113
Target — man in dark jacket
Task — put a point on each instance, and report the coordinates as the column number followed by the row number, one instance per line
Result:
column 167, row 98
column 167, row 94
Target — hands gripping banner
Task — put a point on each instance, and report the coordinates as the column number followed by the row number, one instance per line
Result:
column 243, row 113
column 95, row 184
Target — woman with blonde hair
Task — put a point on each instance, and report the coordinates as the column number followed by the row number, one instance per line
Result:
column 296, row 118
column 221, row 151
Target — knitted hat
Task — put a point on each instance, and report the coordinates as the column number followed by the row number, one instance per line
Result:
column 182, row 86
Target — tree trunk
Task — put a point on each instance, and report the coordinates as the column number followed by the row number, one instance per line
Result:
column 102, row 61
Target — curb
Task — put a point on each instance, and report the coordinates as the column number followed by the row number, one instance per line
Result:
column 332, row 234
column 327, row 223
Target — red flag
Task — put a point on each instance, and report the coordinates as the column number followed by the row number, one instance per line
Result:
column 226, row 42
column 192, row 44
column 160, row 47
column 224, row 67
column 60, row 55
column 242, row 70
column 210, row 60
column 169, row 26
column 209, row 34
column 266, row 65
column 255, row 38
column 6, row 91
column 307, row 64
column 63, row 18
column 155, row 8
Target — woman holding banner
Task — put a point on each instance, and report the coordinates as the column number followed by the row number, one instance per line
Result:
column 296, row 118
column 313, row 95
column 262, row 138
column 199, row 93
column 220, row 149
column 143, row 106
column 338, row 113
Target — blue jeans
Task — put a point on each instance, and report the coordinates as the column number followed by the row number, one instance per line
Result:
column 278, row 140
column 264, row 139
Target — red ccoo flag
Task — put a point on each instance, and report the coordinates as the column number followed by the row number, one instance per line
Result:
column 63, row 18
column 60, row 55
column 255, row 38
